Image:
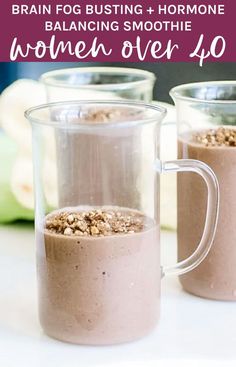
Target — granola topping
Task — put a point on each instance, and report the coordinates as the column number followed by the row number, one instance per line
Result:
column 98, row 222
column 216, row 137
column 107, row 115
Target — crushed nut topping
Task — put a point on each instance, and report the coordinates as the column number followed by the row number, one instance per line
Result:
column 216, row 137
column 98, row 222
column 102, row 116
column 109, row 115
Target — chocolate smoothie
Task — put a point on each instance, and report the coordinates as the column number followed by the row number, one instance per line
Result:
column 215, row 277
column 99, row 275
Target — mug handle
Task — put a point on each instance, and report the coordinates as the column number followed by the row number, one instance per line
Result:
column 191, row 165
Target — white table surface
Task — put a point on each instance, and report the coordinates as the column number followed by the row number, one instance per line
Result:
column 191, row 328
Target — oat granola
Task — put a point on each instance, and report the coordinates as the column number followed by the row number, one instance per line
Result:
column 98, row 222
column 216, row 137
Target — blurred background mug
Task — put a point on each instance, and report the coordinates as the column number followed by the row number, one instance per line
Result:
column 102, row 82
column 206, row 114
column 97, row 231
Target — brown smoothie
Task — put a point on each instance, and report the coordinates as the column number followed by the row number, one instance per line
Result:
column 215, row 277
column 99, row 275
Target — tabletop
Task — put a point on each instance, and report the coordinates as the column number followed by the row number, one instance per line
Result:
column 190, row 329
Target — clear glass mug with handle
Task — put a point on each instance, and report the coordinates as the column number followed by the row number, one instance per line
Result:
column 113, row 83
column 97, row 230
column 98, row 83
column 206, row 120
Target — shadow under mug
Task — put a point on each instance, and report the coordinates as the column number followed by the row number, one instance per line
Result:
column 93, row 155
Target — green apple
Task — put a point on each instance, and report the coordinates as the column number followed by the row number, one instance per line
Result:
column 10, row 208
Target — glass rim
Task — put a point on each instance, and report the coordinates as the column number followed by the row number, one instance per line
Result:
column 159, row 114
column 49, row 78
column 175, row 92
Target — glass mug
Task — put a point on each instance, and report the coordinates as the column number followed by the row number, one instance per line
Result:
column 206, row 114
column 98, row 83
column 103, row 83
column 98, row 248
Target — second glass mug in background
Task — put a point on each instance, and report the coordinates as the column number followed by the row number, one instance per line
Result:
column 98, row 83
column 104, row 289
column 207, row 111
